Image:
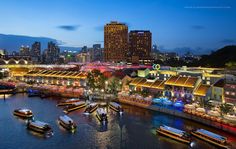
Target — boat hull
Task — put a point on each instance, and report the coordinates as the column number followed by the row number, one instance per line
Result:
column 21, row 115
column 210, row 141
column 74, row 108
column 92, row 110
column 66, row 126
column 173, row 137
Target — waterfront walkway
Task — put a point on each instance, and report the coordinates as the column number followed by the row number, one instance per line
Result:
column 224, row 125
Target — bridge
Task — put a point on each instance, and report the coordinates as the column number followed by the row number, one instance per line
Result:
column 35, row 66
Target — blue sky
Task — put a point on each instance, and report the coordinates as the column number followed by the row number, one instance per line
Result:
column 199, row 25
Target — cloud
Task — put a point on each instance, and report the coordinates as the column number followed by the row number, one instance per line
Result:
column 198, row 27
column 69, row 27
column 228, row 41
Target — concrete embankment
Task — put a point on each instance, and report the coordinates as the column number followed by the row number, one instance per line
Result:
column 181, row 114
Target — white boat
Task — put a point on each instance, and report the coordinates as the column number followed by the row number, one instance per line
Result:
column 66, row 122
column 23, row 113
column 68, row 102
column 116, row 107
column 40, row 127
column 75, row 106
column 91, row 108
column 101, row 114
column 215, row 139
column 174, row 133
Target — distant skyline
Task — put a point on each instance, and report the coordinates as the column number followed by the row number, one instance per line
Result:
column 196, row 25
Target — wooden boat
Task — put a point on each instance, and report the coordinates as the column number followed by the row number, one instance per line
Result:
column 66, row 122
column 75, row 106
column 23, row 113
column 174, row 133
column 68, row 102
column 215, row 139
column 91, row 108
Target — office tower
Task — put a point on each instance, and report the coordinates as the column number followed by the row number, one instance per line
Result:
column 115, row 42
column 36, row 52
column 140, row 43
column 24, row 51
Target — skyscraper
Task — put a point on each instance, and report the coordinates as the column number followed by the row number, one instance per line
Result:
column 36, row 52
column 51, row 54
column 115, row 41
column 24, row 51
column 36, row 49
column 140, row 43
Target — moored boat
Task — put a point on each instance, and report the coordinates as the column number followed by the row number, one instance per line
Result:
column 215, row 139
column 40, row 127
column 101, row 114
column 91, row 108
column 23, row 113
column 75, row 106
column 116, row 107
column 66, row 122
column 68, row 102
column 174, row 133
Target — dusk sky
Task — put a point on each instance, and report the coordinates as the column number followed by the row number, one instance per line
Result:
column 201, row 25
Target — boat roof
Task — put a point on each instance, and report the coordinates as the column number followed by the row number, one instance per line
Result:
column 39, row 123
column 80, row 102
column 66, row 118
column 101, row 111
column 211, row 134
column 72, row 99
column 115, row 104
column 93, row 104
column 24, row 110
column 177, row 131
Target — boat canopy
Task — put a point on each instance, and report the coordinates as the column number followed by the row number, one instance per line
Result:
column 79, row 103
column 66, row 119
column 101, row 111
column 115, row 104
column 39, row 124
column 211, row 134
column 174, row 130
column 24, row 110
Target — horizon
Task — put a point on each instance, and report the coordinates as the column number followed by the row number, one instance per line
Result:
column 196, row 26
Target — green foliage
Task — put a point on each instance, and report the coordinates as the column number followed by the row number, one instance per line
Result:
column 226, row 108
column 114, row 86
column 96, row 80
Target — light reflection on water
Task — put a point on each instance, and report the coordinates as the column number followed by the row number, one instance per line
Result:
column 136, row 128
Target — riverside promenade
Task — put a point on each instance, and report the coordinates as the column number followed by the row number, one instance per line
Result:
column 222, row 126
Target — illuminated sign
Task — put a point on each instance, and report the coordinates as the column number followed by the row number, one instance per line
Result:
column 156, row 66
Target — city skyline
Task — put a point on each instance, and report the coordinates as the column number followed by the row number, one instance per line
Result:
column 211, row 23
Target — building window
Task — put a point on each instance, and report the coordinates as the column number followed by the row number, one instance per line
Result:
column 227, row 93
column 233, row 93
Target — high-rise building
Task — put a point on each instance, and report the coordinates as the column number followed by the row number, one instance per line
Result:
column 96, row 53
column 115, row 41
column 36, row 52
column 36, row 49
column 24, row 51
column 51, row 54
column 140, row 43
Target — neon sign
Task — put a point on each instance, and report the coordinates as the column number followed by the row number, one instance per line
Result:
column 156, row 66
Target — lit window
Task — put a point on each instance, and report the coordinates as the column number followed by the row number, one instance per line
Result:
column 227, row 93
column 233, row 93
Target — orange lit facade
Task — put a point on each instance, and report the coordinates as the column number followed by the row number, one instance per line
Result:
column 115, row 42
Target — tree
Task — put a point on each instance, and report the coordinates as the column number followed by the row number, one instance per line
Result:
column 1, row 75
column 114, row 86
column 225, row 108
column 96, row 79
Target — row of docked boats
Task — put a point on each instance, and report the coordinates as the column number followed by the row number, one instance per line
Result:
column 184, row 137
column 75, row 104
column 41, row 127
column 65, row 121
